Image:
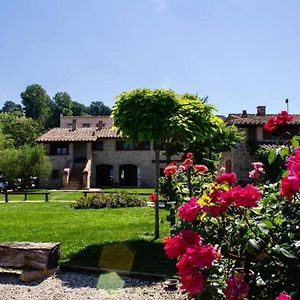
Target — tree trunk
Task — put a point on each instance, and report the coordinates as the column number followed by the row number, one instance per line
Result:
column 156, row 229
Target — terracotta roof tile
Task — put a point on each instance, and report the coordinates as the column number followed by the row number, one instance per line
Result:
column 252, row 119
column 79, row 135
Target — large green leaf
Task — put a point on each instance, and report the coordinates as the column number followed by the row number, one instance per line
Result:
column 284, row 151
column 272, row 156
column 268, row 224
column 295, row 141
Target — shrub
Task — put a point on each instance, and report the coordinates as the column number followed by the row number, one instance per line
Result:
column 233, row 242
column 111, row 200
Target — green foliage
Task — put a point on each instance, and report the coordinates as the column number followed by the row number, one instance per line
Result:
column 12, row 107
column 144, row 114
column 79, row 109
column 20, row 130
column 64, row 103
column 111, row 200
column 36, row 103
column 23, row 163
column 273, row 160
column 221, row 139
column 61, row 103
column 263, row 239
column 180, row 122
column 295, row 141
column 98, row 108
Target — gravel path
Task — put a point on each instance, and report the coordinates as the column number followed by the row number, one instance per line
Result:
column 77, row 286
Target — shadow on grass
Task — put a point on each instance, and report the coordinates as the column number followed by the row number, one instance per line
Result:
column 129, row 256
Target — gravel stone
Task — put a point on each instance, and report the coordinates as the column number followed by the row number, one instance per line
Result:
column 79, row 286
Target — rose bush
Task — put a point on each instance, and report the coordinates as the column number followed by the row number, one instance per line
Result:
column 237, row 242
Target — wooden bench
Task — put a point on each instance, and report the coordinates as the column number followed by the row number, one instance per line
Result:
column 38, row 260
column 6, row 194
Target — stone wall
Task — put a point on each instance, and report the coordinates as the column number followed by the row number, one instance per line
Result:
column 142, row 159
column 66, row 122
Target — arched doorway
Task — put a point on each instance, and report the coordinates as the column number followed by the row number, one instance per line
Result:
column 128, row 175
column 104, row 175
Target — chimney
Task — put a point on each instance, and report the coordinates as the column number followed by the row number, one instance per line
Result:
column 100, row 125
column 244, row 114
column 260, row 110
column 74, row 126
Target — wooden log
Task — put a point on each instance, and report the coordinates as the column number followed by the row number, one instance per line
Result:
column 26, row 255
column 36, row 274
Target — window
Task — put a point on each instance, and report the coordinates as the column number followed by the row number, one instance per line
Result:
column 55, row 174
column 267, row 135
column 252, row 134
column 97, row 146
column 283, row 132
column 124, row 146
column 59, row 149
column 86, row 125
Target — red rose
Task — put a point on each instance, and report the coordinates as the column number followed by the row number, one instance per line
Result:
column 187, row 163
column 190, row 155
column 189, row 210
column 153, row 197
column 176, row 246
column 283, row 117
column 193, row 283
column 170, row 169
column 220, row 200
column 290, row 185
column 270, row 125
column 200, row 168
column 229, row 178
column 247, row 196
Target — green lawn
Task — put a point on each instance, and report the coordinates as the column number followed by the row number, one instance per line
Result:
column 110, row 238
column 58, row 195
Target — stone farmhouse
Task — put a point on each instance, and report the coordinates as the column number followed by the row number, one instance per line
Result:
column 239, row 159
column 88, row 152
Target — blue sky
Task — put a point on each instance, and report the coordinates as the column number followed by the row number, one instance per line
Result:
column 240, row 53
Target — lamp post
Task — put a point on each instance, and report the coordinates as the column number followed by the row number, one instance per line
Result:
column 287, row 104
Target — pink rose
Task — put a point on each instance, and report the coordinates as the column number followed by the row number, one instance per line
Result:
column 193, row 283
column 290, row 185
column 189, row 210
column 283, row 296
column 237, row 288
column 229, row 178
column 247, row 196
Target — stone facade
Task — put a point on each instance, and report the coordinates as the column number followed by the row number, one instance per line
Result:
column 85, row 121
column 144, row 160
column 239, row 159
column 95, row 156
